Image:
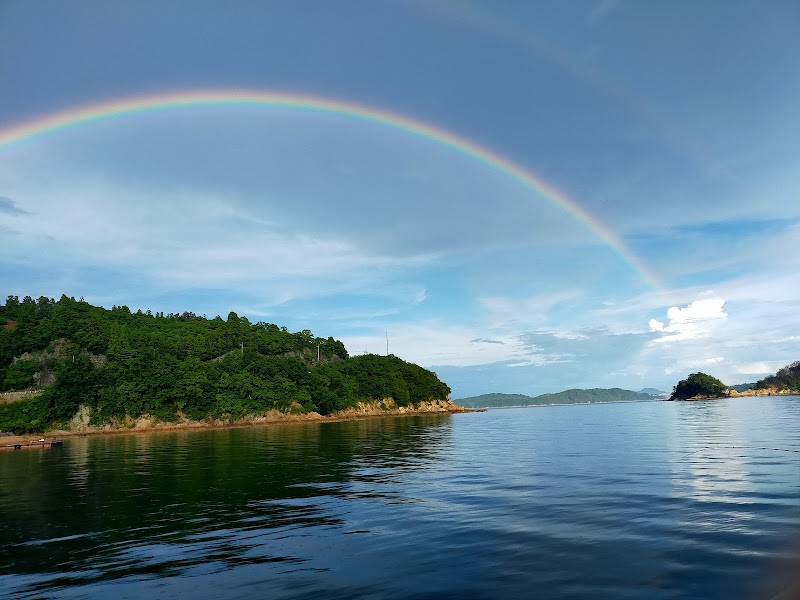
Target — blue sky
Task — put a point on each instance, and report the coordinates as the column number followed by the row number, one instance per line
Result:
column 675, row 125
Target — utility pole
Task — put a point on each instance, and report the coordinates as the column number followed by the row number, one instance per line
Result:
column 317, row 351
column 387, row 343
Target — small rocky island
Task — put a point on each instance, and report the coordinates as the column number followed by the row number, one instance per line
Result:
column 700, row 386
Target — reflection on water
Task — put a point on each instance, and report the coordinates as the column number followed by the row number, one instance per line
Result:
column 714, row 466
column 641, row 500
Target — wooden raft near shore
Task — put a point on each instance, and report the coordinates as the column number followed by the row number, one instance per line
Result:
column 42, row 443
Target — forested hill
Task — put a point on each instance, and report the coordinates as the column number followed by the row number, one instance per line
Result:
column 575, row 396
column 121, row 363
column 787, row 378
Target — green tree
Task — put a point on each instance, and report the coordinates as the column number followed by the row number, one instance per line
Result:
column 697, row 384
column 20, row 375
column 124, row 362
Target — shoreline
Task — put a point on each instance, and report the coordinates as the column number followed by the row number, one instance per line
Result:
column 731, row 393
column 148, row 424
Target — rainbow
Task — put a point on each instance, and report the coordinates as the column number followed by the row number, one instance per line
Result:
column 113, row 109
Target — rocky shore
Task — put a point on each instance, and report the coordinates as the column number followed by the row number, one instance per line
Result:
column 80, row 423
column 730, row 393
column 771, row 391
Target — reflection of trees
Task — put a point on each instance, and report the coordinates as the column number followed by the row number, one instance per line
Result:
column 162, row 503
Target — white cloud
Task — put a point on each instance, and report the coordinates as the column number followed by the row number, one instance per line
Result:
column 690, row 321
column 247, row 243
column 525, row 312
column 189, row 240
column 435, row 343
column 757, row 368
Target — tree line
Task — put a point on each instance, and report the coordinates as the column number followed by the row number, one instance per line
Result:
column 701, row 384
column 121, row 363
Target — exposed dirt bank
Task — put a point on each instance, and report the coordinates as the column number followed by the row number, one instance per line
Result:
column 80, row 423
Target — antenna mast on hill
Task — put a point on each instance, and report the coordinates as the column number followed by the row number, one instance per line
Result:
column 387, row 343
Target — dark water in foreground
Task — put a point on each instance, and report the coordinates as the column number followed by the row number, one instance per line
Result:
column 646, row 500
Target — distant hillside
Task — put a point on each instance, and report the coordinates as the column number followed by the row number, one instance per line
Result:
column 495, row 400
column 655, row 392
column 741, row 387
column 574, row 396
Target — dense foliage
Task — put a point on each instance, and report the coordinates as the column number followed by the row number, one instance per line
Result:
column 573, row 396
column 121, row 364
column 698, row 384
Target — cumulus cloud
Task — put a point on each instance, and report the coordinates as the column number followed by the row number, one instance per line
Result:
column 691, row 320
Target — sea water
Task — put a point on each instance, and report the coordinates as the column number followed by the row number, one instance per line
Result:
column 636, row 500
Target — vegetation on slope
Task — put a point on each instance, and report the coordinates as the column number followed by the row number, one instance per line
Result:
column 122, row 364
column 788, row 378
column 697, row 384
column 574, row 396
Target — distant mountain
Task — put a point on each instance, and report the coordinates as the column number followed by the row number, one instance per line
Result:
column 495, row 400
column 741, row 387
column 574, row 396
column 653, row 392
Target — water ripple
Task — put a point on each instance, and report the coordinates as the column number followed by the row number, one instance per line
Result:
column 647, row 500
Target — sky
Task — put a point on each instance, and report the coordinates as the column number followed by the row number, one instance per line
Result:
column 525, row 197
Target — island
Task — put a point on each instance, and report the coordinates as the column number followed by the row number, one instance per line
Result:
column 69, row 366
column 700, row 386
column 572, row 396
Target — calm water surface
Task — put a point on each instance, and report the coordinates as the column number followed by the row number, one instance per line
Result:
column 641, row 500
